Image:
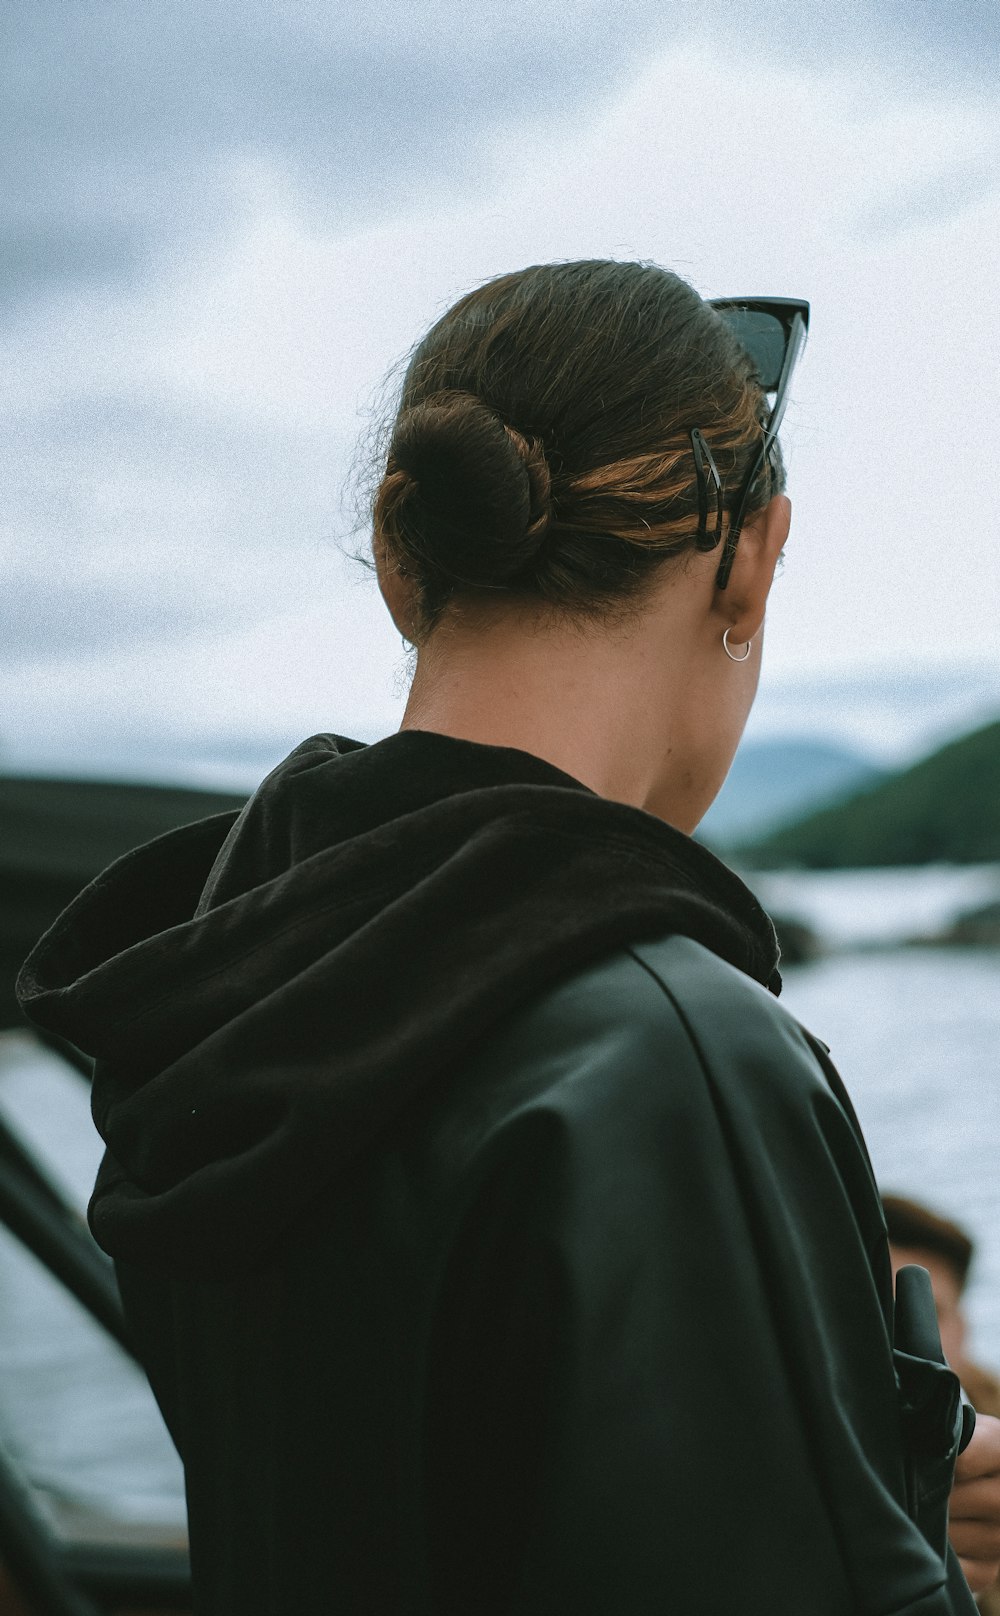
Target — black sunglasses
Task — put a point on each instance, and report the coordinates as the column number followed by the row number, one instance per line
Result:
column 773, row 332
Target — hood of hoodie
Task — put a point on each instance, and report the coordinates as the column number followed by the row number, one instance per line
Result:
column 265, row 993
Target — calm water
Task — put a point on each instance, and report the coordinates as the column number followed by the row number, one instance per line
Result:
column 916, row 1034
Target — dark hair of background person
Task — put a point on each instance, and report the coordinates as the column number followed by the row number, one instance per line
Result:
column 917, row 1228
column 542, row 443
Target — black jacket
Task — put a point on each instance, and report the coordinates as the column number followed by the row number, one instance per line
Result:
column 494, row 1241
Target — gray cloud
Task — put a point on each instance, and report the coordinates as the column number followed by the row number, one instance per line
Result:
column 140, row 520
column 942, row 44
column 949, row 36
column 935, row 197
column 43, row 617
column 125, row 126
column 55, row 612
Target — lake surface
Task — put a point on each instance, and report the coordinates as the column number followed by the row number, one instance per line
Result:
column 915, row 1033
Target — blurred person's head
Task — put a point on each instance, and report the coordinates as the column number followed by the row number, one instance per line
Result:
column 919, row 1235
column 537, row 531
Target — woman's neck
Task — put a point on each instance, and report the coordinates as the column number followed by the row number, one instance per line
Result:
column 609, row 707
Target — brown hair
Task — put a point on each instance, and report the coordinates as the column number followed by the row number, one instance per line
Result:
column 917, row 1227
column 542, row 442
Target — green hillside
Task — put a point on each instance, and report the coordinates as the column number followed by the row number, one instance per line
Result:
column 56, row 835
column 944, row 809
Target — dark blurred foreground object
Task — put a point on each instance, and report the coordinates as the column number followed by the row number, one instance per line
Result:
column 60, row 1556
column 945, row 809
column 917, row 1234
column 56, row 835
column 946, row 1250
column 937, row 1423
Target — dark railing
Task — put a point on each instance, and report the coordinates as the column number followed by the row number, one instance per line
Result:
column 54, row 1574
column 52, row 1231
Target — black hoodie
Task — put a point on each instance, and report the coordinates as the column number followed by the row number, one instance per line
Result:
column 265, row 992
column 468, row 1278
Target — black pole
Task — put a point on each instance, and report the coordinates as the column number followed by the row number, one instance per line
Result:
column 16, row 1156
column 52, row 1232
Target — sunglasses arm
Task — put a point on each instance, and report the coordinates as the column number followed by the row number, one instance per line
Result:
column 796, row 339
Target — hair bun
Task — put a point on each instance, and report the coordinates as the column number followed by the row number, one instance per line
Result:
column 474, row 506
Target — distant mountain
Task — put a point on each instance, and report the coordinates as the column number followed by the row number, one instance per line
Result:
column 944, row 809
column 56, row 835
column 774, row 781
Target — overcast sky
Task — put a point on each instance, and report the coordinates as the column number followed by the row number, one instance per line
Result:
column 223, row 224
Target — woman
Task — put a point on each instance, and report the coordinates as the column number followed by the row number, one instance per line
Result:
column 494, row 1241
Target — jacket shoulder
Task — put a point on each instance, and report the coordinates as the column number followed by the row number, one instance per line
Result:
column 665, row 1058
column 735, row 1024
column 670, row 983
column 623, row 1044
column 670, row 1004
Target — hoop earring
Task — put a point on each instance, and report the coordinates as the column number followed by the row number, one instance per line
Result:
column 725, row 647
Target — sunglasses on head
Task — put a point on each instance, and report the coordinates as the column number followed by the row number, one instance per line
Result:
column 772, row 330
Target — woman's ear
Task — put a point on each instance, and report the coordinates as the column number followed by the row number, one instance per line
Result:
column 396, row 588
column 744, row 600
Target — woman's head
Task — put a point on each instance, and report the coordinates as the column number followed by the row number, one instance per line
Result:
column 537, row 530
column 542, row 446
